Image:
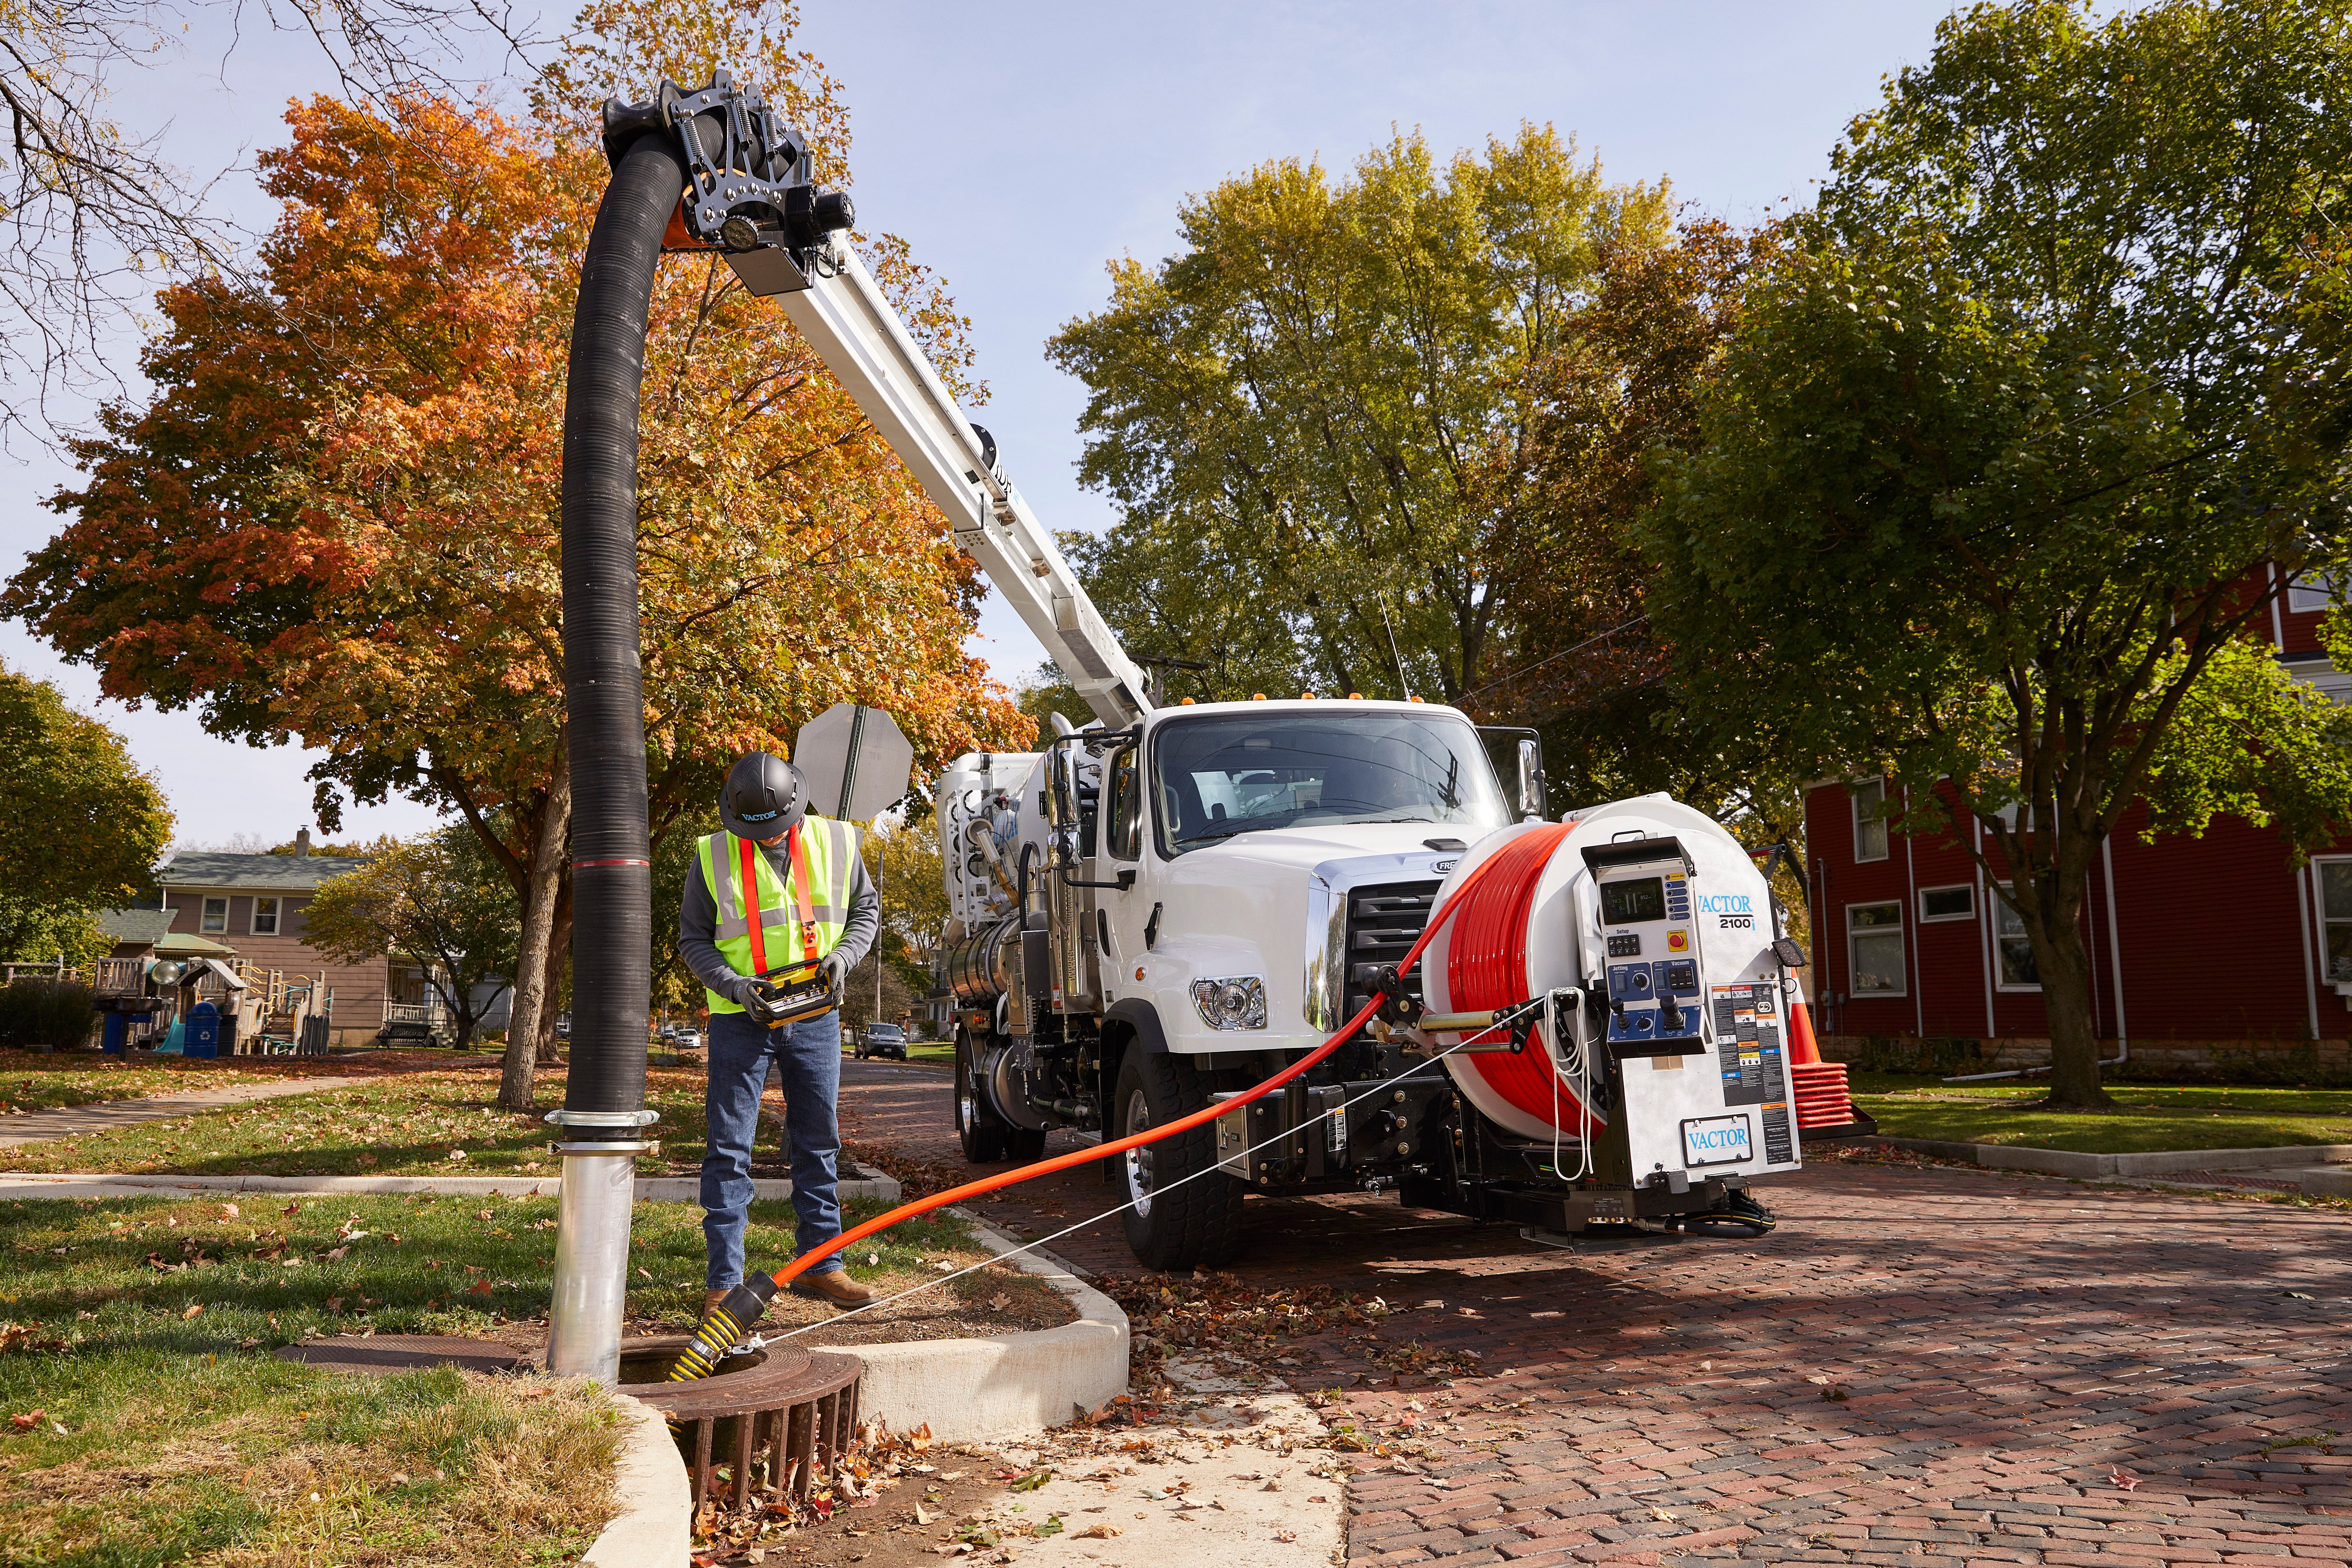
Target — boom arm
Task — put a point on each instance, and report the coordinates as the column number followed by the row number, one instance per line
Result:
column 846, row 319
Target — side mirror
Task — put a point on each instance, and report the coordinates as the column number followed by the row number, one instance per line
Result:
column 1531, row 779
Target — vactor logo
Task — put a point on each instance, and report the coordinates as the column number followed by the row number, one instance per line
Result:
column 1724, row 904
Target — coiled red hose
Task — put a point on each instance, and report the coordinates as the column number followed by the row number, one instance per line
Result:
column 1487, row 967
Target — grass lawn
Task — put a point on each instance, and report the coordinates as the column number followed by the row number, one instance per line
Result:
column 2145, row 1118
column 937, row 1053
column 409, row 1124
column 143, row 1329
column 37, row 1080
column 140, row 1333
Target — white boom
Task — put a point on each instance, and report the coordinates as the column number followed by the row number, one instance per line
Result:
column 850, row 323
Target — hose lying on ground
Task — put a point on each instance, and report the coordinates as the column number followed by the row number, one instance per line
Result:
column 727, row 1323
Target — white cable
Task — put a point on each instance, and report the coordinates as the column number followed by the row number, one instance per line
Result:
column 1383, row 1087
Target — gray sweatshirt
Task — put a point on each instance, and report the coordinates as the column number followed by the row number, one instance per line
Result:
column 698, row 920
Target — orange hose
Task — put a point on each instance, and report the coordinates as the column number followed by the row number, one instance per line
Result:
column 801, row 1264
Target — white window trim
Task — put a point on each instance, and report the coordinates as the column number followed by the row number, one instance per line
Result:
column 1993, row 907
column 1902, row 942
column 1853, row 797
column 253, row 920
column 2320, row 921
column 205, row 915
column 2303, row 600
column 1927, row 920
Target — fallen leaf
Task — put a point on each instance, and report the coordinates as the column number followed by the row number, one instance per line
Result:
column 642, row 1275
column 1033, row 1481
column 335, row 1254
column 1286, row 1535
column 998, row 1302
column 1053, row 1525
column 191, row 1312
column 1098, row 1532
column 478, row 1288
column 457, row 1153
column 228, row 1211
column 924, row 1515
column 30, row 1419
column 2123, row 1481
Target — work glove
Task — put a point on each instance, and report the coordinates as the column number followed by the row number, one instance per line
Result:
column 741, row 990
column 835, row 971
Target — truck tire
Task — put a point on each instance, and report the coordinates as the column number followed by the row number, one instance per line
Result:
column 977, row 1126
column 1199, row 1223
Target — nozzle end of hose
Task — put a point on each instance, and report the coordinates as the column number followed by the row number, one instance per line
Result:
column 722, row 1327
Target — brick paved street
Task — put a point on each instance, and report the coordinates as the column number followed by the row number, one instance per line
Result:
column 2012, row 1350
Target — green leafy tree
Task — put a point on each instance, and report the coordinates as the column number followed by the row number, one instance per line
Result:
column 2019, row 437
column 1317, row 417
column 80, row 825
column 439, row 899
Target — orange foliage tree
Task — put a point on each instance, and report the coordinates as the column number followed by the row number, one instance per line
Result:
column 338, row 519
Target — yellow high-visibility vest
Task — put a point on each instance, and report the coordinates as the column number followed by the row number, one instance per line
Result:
column 802, row 910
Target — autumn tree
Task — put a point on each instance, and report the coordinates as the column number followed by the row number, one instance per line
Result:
column 438, row 898
column 1317, row 417
column 2022, row 432
column 81, row 824
column 1579, row 655
column 338, row 519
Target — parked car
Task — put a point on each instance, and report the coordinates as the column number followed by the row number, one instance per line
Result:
column 687, row 1039
column 564, row 1025
column 667, row 1032
column 882, row 1040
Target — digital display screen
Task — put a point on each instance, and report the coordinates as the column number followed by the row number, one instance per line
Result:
column 1632, row 902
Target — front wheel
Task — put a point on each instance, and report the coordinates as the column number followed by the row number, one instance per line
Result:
column 977, row 1126
column 1182, row 1213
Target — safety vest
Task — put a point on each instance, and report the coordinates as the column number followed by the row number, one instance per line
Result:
column 801, row 914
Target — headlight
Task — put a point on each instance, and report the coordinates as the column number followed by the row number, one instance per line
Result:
column 1238, row 1002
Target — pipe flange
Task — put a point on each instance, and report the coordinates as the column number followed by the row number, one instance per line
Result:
column 636, row 1147
column 602, row 1118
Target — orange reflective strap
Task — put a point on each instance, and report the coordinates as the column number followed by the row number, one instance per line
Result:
column 751, row 880
column 801, row 886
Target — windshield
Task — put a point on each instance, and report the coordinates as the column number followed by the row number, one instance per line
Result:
column 1220, row 776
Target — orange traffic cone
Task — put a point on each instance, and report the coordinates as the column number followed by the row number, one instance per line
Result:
column 1825, row 1107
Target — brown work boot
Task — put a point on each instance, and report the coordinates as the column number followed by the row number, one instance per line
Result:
column 836, row 1286
column 711, row 1299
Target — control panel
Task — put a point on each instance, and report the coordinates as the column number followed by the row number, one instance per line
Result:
column 1656, row 994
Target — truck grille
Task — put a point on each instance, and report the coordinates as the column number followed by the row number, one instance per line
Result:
column 1385, row 920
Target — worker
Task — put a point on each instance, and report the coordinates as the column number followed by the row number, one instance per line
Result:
column 817, row 908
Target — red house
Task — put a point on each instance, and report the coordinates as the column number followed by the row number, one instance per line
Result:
column 2207, row 952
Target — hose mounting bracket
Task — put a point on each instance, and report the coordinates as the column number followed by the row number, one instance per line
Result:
column 752, row 180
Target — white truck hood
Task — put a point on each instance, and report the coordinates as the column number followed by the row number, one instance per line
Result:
column 1272, row 904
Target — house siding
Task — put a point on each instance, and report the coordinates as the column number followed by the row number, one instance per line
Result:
column 358, row 989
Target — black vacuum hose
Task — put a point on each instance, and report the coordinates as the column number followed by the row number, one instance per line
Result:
column 612, row 934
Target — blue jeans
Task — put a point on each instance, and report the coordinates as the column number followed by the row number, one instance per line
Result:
column 808, row 1059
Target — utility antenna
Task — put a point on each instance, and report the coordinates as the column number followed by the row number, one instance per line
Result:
column 1397, row 656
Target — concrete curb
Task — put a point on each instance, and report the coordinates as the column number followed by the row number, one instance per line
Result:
column 865, row 1183
column 1006, row 1385
column 2161, row 1162
column 655, row 1528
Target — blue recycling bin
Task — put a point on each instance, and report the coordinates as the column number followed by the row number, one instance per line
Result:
column 202, row 1038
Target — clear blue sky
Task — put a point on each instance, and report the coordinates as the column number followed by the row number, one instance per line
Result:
column 1020, row 146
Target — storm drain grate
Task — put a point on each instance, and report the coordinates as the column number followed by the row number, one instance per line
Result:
column 767, row 1423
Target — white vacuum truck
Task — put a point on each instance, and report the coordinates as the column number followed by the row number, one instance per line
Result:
column 1175, row 902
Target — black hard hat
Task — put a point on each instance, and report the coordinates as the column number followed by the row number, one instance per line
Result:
column 764, row 799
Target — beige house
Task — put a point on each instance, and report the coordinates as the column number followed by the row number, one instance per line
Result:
column 253, row 905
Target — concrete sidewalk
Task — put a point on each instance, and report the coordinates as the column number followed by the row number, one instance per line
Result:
column 106, row 1115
